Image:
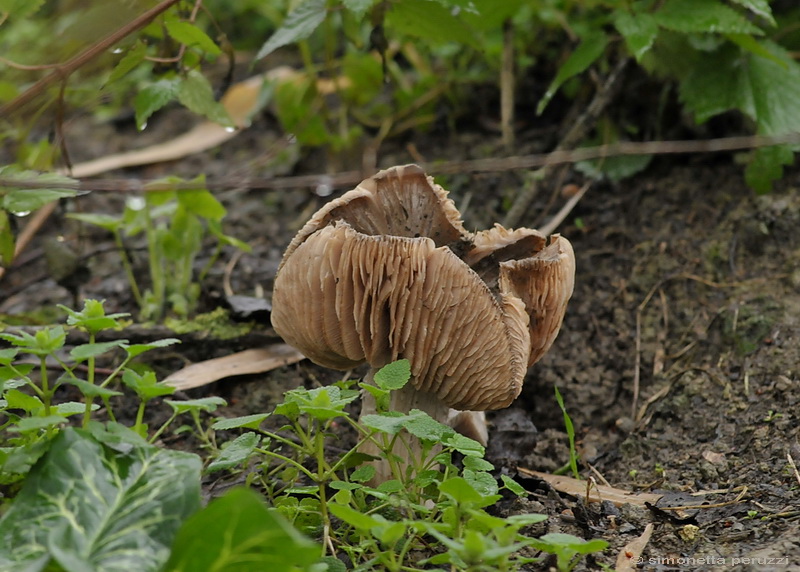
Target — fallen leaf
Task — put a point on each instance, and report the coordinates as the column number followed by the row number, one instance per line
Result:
column 631, row 554
column 240, row 363
column 597, row 493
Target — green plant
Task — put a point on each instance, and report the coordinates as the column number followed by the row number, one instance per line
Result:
column 175, row 225
column 568, row 548
column 33, row 418
column 573, row 454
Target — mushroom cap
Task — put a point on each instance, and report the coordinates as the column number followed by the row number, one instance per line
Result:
column 387, row 271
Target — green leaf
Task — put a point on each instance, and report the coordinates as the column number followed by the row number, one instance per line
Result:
column 363, row 474
column 460, row 490
column 573, row 456
column 767, row 166
column 73, row 408
column 759, row 8
column 196, row 94
column 134, row 350
column 17, row 400
column 358, row 7
column 145, row 384
column 248, row 421
column 393, row 376
column 25, row 191
column 107, row 222
column 35, row 424
column 201, row 202
column 592, row 46
column 515, row 487
column 481, row 481
column 464, row 445
column 322, row 403
column 237, row 533
column 129, row 61
column 299, row 25
column 203, row 404
column 154, row 97
column 703, row 16
column 93, row 317
column 430, row 21
column 90, row 389
column 191, row 36
column 83, row 502
column 353, row 517
column 18, row 9
column 86, row 351
column 236, row 452
column 639, row 31
column 7, row 240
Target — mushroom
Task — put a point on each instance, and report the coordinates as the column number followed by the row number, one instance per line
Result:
column 388, row 271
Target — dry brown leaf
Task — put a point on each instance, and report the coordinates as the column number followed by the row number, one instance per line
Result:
column 597, row 493
column 631, row 554
column 241, row 363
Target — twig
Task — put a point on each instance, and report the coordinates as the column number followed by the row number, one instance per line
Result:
column 575, row 134
column 490, row 165
column 63, row 71
column 559, row 217
column 507, row 86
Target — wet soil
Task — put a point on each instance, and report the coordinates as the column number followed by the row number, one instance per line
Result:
column 678, row 360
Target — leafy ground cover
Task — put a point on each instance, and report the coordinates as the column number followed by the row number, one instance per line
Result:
column 677, row 363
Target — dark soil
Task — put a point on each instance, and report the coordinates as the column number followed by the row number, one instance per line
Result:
column 688, row 284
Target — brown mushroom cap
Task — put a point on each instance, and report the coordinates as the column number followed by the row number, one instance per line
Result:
column 384, row 273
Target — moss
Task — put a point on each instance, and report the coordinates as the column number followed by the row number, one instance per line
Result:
column 217, row 323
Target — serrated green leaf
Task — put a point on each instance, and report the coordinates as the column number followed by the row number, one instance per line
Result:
column 90, row 389
column 191, row 36
column 111, row 510
column 759, row 8
column 588, row 51
column 352, row 517
column 703, row 16
column 464, row 445
column 134, row 350
column 196, row 94
column 132, row 58
column 248, row 421
column 85, row 351
column 236, row 532
column 431, row 21
column 154, row 97
column 145, row 384
column 201, row 202
column 236, row 452
column 34, row 424
column 73, row 408
column 393, row 376
column 767, row 166
column 299, row 25
column 363, row 474
column 19, row 400
column 460, row 490
column 481, row 481
column 639, row 31
column 203, row 404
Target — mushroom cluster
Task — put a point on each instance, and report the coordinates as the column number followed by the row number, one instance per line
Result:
column 388, row 271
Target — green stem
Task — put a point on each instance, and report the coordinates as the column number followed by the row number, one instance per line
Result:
column 285, row 459
column 140, row 418
column 156, row 274
column 128, row 267
column 161, row 429
column 47, row 394
column 87, row 413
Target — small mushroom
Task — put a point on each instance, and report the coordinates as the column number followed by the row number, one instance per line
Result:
column 388, row 271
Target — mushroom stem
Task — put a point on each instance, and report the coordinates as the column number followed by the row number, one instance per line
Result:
column 402, row 400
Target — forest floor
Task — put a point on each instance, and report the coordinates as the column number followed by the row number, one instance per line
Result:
column 688, row 286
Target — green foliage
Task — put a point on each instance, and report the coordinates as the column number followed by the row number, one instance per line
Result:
column 176, row 225
column 88, row 505
column 573, row 455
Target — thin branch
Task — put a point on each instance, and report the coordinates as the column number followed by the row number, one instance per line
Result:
column 63, row 71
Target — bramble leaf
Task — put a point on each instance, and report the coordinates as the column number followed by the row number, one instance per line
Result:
column 639, row 31
column 236, row 452
column 299, row 25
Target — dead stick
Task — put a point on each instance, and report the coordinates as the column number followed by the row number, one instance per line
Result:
column 65, row 70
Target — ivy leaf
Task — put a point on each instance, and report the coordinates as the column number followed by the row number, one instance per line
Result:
column 83, row 502
column 592, row 46
column 237, row 532
column 154, row 97
column 195, row 93
column 192, row 37
column 299, row 25
column 639, row 31
column 704, row 16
